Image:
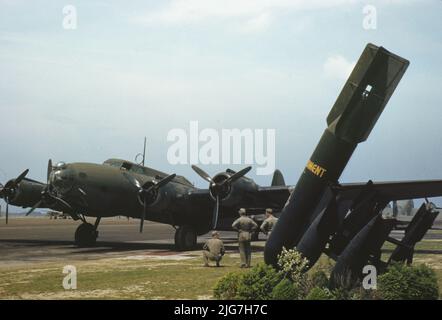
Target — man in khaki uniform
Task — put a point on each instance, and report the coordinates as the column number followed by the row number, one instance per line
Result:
column 213, row 250
column 245, row 226
column 269, row 223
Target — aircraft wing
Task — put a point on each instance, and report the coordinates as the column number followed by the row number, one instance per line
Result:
column 389, row 191
column 274, row 196
column 264, row 197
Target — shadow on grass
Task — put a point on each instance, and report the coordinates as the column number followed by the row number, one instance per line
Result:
column 102, row 247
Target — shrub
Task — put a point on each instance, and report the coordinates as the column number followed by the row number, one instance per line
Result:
column 293, row 265
column 359, row 293
column 258, row 283
column 319, row 279
column 285, row 290
column 408, row 282
column 320, row 293
column 342, row 293
column 227, row 287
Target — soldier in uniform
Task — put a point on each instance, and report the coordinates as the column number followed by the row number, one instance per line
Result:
column 245, row 227
column 269, row 223
column 213, row 249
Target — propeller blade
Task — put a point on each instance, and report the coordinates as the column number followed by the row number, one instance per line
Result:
column 35, row 206
column 132, row 180
column 143, row 216
column 20, row 177
column 237, row 175
column 215, row 213
column 165, row 181
column 202, row 173
column 7, row 209
column 49, row 169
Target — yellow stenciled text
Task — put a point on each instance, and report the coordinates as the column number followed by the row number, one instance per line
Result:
column 315, row 169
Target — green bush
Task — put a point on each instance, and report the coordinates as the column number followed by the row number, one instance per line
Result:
column 402, row 282
column 293, row 265
column 319, row 279
column 258, row 283
column 320, row 293
column 226, row 288
column 360, row 293
column 342, row 293
column 264, row 282
column 285, row 290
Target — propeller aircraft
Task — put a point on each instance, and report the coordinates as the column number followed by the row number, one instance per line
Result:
column 123, row 188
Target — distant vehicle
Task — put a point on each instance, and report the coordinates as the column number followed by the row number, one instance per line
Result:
column 57, row 215
column 404, row 211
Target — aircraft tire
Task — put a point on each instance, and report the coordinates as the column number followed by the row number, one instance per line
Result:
column 185, row 238
column 86, row 235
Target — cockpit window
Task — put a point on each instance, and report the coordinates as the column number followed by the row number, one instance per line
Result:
column 132, row 167
column 126, row 165
column 113, row 163
column 137, row 169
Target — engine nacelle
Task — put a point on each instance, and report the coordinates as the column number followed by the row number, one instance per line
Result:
column 231, row 194
column 26, row 194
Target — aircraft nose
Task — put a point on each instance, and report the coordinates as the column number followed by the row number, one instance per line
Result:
column 62, row 179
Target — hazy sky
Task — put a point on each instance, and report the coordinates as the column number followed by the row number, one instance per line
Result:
column 141, row 68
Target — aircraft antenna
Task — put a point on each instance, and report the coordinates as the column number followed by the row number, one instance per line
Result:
column 144, row 150
column 142, row 155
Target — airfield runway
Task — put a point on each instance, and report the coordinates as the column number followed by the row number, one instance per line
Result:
column 34, row 240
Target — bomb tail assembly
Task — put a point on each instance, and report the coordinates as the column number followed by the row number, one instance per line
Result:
column 315, row 210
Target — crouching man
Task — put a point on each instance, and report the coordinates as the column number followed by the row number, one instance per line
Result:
column 213, row 250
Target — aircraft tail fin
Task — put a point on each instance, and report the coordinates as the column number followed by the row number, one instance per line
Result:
column 278, row 179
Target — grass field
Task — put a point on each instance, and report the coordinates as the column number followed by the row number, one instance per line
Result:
column 432, row 260
column 143, row 277
column 118, row 278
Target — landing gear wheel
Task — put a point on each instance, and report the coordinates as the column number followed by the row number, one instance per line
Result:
column 86, row 235
column 185, row 238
